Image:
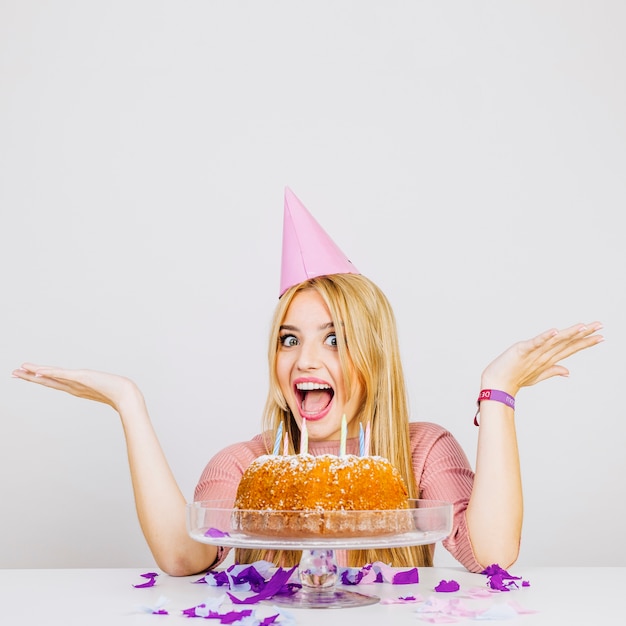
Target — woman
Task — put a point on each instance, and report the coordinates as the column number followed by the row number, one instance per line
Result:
column 333, row 351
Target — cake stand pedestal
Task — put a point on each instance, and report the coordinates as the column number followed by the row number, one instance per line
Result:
column 318, row 573
column 425, row 522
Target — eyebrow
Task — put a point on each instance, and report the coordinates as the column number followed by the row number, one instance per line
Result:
column 295, row 328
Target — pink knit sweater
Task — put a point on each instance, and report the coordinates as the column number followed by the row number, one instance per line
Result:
column 441, row 469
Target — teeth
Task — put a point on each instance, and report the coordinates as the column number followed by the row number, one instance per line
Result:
column 311, row 386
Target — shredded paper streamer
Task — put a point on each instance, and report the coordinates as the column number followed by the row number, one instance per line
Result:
column 249, row 584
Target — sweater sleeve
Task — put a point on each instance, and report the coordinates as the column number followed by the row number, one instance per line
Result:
column 443, row 472
column 220, row 478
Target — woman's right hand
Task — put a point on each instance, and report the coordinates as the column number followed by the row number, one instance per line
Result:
column 109, row 389
column 159, row 501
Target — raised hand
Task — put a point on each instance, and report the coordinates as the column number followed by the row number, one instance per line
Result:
column 109, row 389
column 528, row 362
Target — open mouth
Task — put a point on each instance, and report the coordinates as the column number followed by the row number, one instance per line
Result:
column 313, row 398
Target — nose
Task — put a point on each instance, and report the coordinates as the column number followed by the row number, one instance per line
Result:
column 309, row 357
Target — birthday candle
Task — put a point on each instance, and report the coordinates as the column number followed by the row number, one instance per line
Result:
column 279, row 436
column 367, row 439
column 304, row 438
column 286, row 444
column 361, row 441
column 342, row 445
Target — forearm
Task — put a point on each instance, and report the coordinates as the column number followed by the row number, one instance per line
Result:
column 159, row 501
column 495, row 510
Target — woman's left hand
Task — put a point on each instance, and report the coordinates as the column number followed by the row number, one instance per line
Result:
column 528, row 362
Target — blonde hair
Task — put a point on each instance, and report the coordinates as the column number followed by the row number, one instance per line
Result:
column 367, row 342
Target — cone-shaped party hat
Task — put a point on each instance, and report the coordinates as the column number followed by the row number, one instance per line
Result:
column 308, row 251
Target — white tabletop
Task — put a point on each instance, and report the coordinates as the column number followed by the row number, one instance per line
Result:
column 94, row 597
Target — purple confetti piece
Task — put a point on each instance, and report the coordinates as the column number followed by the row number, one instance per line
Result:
column 447, row 586
column 274, row 585
column 402, row 600
column 225, row 618
column 151, row 576
column 249, row 575
column 215, row 532
column 215, row 579
column 500, row 580
column 234, row 616
column 408, row 577
column 193, row 611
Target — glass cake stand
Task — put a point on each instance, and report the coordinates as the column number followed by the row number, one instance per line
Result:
column 215, row 522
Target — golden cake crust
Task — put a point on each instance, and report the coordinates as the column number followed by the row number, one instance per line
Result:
column 316, row 495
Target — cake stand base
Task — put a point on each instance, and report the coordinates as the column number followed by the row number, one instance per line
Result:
column 325, row 599
column 318, row 574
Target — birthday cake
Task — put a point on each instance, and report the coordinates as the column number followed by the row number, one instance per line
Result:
column 307, row 496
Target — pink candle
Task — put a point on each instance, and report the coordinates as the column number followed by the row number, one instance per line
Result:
column 367, row 439
column 286, row 444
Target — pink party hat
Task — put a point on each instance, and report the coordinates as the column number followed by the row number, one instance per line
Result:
column 308, row 251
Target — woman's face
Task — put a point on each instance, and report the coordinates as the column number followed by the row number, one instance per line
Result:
column 309, row 371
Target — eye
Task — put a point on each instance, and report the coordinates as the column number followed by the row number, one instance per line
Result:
column 331, row 340
column 288, row 341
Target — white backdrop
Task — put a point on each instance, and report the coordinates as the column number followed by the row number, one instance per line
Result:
column 470, row 157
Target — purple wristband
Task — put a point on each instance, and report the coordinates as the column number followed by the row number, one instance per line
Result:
column 497, row 396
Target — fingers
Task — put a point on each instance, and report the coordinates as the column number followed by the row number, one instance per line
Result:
column 35, row 373
column 577, row 331
column 571, row 340
column 528, row 362
column 544, row 352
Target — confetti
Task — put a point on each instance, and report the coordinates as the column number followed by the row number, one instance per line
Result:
column 215, row 532
column 447, row 586
column 157, row 609
column 277, row 584
column 500, row 580
column 402, row 600
column 151, row 576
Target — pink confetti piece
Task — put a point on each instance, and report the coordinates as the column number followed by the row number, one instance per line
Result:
column 446, row 609
column 520, row 609
column 479, row 592
column 385, row 572
column 497, row 612
column 151, row 576
column 369, row 576
column 215, row 532
column 447, row 586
